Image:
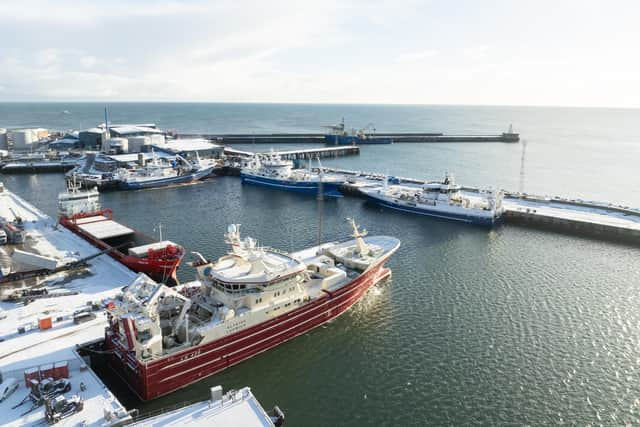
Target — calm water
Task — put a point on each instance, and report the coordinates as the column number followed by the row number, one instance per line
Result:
column 509, row 326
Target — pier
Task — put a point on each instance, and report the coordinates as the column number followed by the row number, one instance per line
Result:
column 587, row 218
column 36, row 167
column 304, row 154
column 39, row 339
column 319, row 138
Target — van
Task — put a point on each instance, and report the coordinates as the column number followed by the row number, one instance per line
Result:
column 7, row 388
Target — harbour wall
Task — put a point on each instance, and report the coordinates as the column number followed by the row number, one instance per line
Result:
column 318, row 138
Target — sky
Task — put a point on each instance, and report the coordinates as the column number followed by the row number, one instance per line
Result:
column 558, row 53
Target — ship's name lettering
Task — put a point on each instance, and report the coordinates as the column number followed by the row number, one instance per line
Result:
column 190, row 355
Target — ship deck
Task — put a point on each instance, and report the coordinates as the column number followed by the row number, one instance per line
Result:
column 35, row 347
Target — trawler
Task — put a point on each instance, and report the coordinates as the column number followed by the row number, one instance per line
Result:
column 161, row 339
column 160, row 174
column 271, row 170
column 80, row 212
column 440, row 199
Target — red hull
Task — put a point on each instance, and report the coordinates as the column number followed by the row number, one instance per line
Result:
column 159, row 269
column 170, row 373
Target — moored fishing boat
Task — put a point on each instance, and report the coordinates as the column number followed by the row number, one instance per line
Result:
column 80, row 212
column 161, row 339
column 160, row 174
column 440, row 199
column 270, row 170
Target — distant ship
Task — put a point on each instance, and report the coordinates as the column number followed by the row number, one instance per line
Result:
column 159, row 174
column 270, row 170
column 248, row 301
column 80, row 212
column 339, row 136
column 440, row 199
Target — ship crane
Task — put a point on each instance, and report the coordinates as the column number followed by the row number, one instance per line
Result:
column 18, row 219
column 363, row 249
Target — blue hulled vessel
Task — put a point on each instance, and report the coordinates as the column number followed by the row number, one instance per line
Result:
column 270, row 170
column 441, row 200
column 160, row 174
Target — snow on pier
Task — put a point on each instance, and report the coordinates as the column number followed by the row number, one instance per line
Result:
column 595, row 219
column 28, row 343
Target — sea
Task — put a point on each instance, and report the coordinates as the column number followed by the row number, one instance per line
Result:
column 504, row 326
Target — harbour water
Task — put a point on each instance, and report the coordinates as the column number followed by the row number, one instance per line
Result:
column 508, row 326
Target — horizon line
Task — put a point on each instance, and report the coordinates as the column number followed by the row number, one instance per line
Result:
column 349, row 103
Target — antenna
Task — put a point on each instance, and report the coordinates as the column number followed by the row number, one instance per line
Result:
column 522, row 160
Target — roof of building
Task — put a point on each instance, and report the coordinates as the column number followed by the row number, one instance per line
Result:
column 134, row 130
column 93, row 130
column 133, row 157
column 182, row 145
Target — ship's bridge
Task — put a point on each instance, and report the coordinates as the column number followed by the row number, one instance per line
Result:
column 259, row 266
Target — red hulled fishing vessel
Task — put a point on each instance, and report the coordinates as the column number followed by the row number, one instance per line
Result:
column 80, row 212
column 161, row 339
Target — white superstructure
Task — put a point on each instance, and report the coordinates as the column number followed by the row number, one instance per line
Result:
column 250, row 285
column 440, row 199
column 77, row 200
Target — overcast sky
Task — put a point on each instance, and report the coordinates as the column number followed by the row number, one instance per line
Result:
column 581, row 53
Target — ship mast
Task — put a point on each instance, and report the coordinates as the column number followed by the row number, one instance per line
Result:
column 320, row 203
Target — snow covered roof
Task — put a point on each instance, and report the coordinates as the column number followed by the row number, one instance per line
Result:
column 182, row 145
column 134, row 130
column 133, row 157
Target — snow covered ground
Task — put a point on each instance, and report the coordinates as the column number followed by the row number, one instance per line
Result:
column 35, row 347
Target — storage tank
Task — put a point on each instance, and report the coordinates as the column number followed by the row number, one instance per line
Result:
column 157, row 139
column 22, row 139
column 4, row 145
column 136, row 143
column 115, row 145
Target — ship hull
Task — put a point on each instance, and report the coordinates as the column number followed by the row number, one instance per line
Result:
column 470, row 218
column 163, row 182
column 172, row 372
column 160, row 270
column 330, row 189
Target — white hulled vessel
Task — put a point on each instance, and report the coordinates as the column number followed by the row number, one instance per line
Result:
column 440, row 199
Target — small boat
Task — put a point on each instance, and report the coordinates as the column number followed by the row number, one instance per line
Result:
column 270, row 170
column 160, row 174
column 340, row 136
column 440, row 199
column 254, row 298
column 80, row 212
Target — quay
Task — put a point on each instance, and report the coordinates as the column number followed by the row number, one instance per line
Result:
column 587, row 218
column 319, row 138
column 304, row 154
column 36, row 167
column 40, row 337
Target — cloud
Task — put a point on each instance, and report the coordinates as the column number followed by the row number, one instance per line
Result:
column 315, row 51
column 416, row 56
column 88, row 61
